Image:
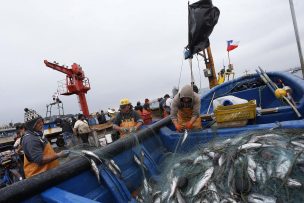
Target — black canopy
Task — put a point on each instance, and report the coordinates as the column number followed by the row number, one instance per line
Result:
column 202, row 18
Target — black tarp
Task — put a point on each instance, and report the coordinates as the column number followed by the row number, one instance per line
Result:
column 203, row 16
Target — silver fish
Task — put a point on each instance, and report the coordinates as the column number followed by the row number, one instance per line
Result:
column 211, row 155
column 297, row 144
column 173, row 187
column 203, row 181
column 228, row 200
column 139, row 199
column 198, row 159
column 266, row 136
column 293, row 183
column 251, row 174
column 115, row 166
column 157, row 199
column 253, row 139
column 215, row 196
column 221, row 160
column 91, row 154
column 112, row 169
column 185, row 136
column 136, row 159
column 95, row 169
column 251, row 163
column 249, row 146
column 251, row 168
column 257, row 198
column 147, row 187
column 282, row 167
column 157, row 193
column 164, row 195
column 260, row 174
column 179, row 197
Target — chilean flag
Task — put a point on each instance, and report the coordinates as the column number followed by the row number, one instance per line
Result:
column 231, row 44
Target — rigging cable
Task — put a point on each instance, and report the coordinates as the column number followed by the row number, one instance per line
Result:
column 192, row 77
column 180, row 73
column 199, row 72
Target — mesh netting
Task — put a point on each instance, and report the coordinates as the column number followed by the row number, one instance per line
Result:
column 256, row 167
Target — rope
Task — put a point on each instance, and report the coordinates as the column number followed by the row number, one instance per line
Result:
column 180, row 73
column 192, row 77
column 199, row 72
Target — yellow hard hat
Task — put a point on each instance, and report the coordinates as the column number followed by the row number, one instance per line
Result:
column 280, row 93
column 124, row 101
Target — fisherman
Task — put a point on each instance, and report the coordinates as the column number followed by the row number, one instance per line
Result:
column 101, row 117
column 39, row 155
column 127, row 120
column 185, row 110
column 167, row 105
column 147, row 105
column 138, row 107
column 18, row 148
column 146, row 115
column 221, row 77
column 161, row 102
column 82, row 129
column 92, row 120
column 20, row 133
column 67, row 132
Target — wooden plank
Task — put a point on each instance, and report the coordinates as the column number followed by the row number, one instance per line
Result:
column 102, row 126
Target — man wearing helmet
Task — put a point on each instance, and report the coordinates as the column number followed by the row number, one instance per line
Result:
column 185, row 109
column 127, row 120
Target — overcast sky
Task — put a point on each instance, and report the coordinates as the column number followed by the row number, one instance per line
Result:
column 130, row 48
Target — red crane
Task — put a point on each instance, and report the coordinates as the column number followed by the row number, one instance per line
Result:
column 76, row 83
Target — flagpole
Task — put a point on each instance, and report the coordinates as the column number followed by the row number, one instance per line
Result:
column 294, row 20
column 228, row 59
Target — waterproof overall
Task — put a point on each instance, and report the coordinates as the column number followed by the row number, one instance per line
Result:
column 31, row 168
column 127, row 123
column 184, row 115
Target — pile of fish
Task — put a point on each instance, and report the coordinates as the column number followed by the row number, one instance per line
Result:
column 249, row 168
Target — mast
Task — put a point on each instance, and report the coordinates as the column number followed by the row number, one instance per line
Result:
column 295, row 25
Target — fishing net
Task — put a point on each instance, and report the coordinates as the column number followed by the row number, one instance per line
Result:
column 265, row 166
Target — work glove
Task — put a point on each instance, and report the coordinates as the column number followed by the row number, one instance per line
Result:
column 124, row 130
column 63, row 153
column 189, row 125
column 178, row 128
column 133, row 129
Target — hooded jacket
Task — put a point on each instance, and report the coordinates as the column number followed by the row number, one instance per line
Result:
column 177, row 104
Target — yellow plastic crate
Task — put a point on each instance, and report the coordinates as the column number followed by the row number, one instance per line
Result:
column 236, row 112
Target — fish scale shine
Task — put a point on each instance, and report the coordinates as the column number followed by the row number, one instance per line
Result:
column 203, row 181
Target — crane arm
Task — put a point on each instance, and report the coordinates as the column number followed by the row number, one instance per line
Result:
column 59, row 68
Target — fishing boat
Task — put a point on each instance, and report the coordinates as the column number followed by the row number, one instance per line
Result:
column 118, row 176
column 74, row 181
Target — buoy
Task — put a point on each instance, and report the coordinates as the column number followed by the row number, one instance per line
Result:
column 280, row 93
